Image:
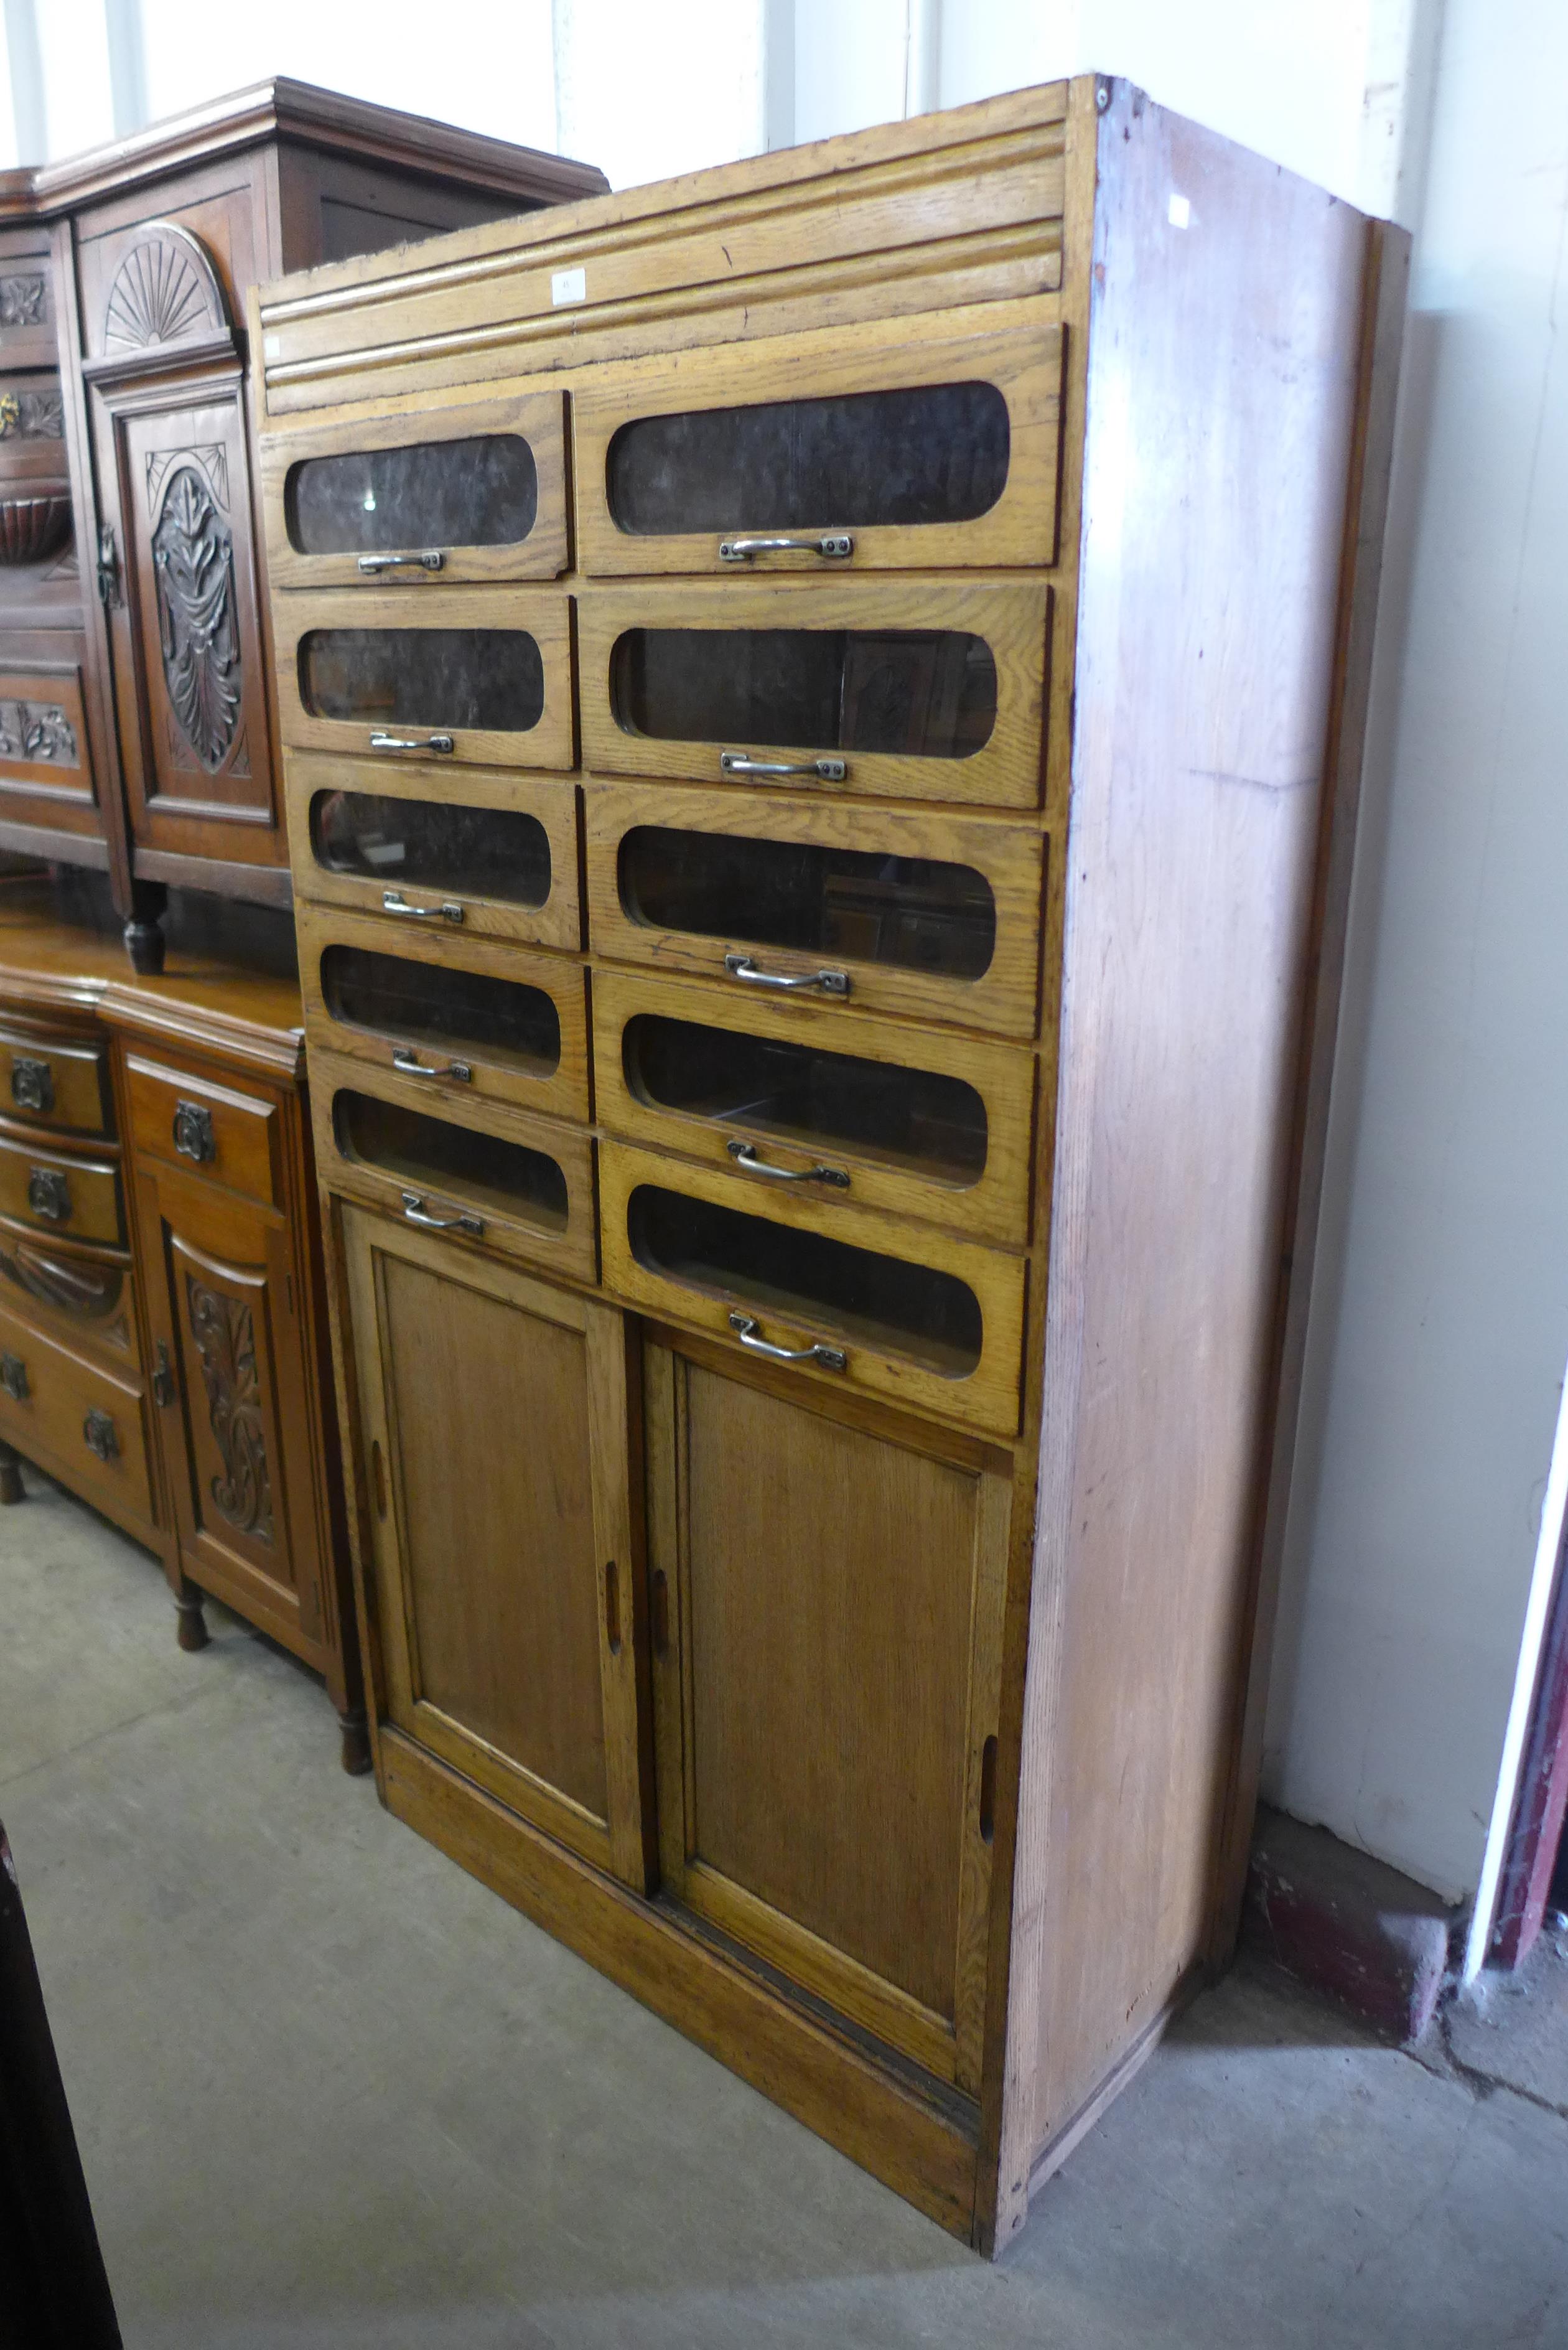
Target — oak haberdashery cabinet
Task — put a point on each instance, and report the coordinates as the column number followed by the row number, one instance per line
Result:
column 821, row 706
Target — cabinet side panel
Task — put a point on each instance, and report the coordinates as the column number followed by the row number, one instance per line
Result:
column 1222, row 385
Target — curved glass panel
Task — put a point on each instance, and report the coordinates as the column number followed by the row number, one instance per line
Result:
column 434, row 1002
column 927, row 693
column 463, row 851
column 420, row 1150
column 482, row 492
column 492, row 678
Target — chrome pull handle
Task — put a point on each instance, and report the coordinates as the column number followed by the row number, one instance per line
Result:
column 442, row 743
column 415, row 1210
column 740, row 762
column 833, row 546
column 824, row 982
column 429, row 559
column 394, row 902
column 744, row 1154
column 404, row 1058
column 825, row 1358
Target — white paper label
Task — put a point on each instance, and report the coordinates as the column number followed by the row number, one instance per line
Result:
column 1179, row 211
column 569, row 285
column 271, row 346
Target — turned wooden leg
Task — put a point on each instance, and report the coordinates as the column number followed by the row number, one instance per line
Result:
column 191, row 1625
column 144, row 939
column 11, row 1486
column 355, row 1749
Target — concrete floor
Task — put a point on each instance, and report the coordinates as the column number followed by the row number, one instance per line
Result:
column 330, row 2091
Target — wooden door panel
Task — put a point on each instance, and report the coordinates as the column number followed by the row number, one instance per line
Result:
column 190, row 677
column 223, row 1319
column 827, row 1604
column 508, row 1568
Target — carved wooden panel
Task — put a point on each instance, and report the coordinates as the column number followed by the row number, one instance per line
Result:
column 44, row 736
column 165, row 290
column 189, row 674
column 224, row 1333
column 81, row 1296
column 32, row 415
column 28, row 313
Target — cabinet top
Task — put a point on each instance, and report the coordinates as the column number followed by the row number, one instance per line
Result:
column 280, row 109
column 49, row 961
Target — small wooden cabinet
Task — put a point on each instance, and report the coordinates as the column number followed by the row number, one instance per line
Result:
column 160, row 1281
column 809, row 913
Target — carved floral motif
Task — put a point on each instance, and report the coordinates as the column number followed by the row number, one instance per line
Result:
column 164, row 291
column 22, row 301
column 40, row 731
column 226, row 1346
column 194, row 553
column 86, row 1291
column 32, row 416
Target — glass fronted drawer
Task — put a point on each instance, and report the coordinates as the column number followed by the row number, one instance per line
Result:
column 794, row 1099
column 465, row 1019
column 911, row 691
column 412, row 845
column 892, row 910
column 477, row 1173
column 469, row 492
column 49, row 1192
column 834, row 1295
column 918, row 449
column 481, row 677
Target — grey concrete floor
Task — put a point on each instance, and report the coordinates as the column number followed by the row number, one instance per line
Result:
column 329, row 2090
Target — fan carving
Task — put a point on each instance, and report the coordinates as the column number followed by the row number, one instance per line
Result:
column 194, row 555
column 164, row 291
column 226, row 1349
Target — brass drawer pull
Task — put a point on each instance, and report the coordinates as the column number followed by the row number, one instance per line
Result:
column 740, row 762
column 32, row 1085
column 430, row 559
column 193, row 1136
column 99, row 1436
column 49, row 1195
column 404, row 1058
column 744, row 1154
column 825, row 1358
column 824, row 982
column 834, row 544
column 13, row 1377
column 443, row 743
column 415, row 1212
column 394, row 902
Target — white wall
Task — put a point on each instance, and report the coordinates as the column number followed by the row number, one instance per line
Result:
column 1440, row 1335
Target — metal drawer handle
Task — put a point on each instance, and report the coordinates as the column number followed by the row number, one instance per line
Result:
column 443, row 743
column 740, row 762
column 744, row 1154
column 192, row 1131
column 825, row 982
column 429, row 559
column 825, row 1358
column 835, row 545
column 404, row 1058
column 415, row 1212
column 49, row 1194
column 100, row 1436
column 13, row 1377
column 394, row 902
column 32, row 1085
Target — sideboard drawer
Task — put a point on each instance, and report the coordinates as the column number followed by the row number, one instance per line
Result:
column 475, row 490
column 56, row 1193
column 892, row 910
column 478, row 676
column 796, row 1099
column 199, row 1123
column 865, row 448
column 54, row 1079
column 840, row 1295
column 73, row 1416
column 906, row 689
column 84, row 1294
column 496, row 859
column 481, row 1174
column 466, row 1019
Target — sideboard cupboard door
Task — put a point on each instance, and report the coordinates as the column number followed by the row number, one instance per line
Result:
column 235, row 1433
column 497, row 1416
column 438, row 852
column 896, row 688
column 475, row 677
column 887, row 909
column 854, row 449
column 826, row 1595
column 179, row 583
column 473, row 492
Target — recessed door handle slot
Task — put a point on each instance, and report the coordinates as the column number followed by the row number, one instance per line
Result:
column 988, row 1789
column 612, row 1607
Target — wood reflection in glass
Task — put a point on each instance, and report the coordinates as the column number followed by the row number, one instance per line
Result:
column 436, row 1004
column 488, row 678
column 482, row 492
column 505, row 1176
column 922, row 692
column 465, row 851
